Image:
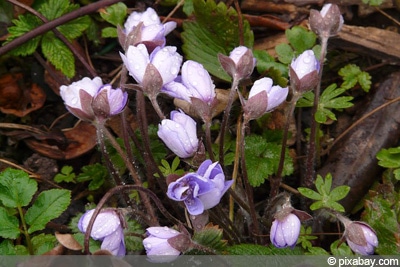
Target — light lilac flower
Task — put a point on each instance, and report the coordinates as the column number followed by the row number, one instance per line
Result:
column 240, row 63
column 201, row 190
column 106, row 228
column 179, row 134
column 361, row 238
column 195, row 81
column 90, row 100
column 166, row 60
column 285, row 231
column 328, row 22
column 152, row 28
column 158, row 249
column 303, row 72
column 276, row 94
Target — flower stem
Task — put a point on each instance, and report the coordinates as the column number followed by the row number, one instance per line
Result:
column 208, row 140
column 312, row 150
column 25, row 231
column 156, row 106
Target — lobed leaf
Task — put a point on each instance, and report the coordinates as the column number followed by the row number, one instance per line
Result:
column 9, row 225
column 48, row 205
column 115, row 14
column 309, row 193
column 300, row 38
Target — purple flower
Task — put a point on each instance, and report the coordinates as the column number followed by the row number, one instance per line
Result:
column 361, row 238
column 107, row 228
column 158, row 249
column 275, row 94
column 240, row 63
column 166, row 61
column 201, row 190
column 304, row 71
column 151, row 31
column 285, row 231
column 328, row 22
column 195, row 81
column 90, row 100
column 179, row 134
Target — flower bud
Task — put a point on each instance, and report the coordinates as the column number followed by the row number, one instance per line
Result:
column 108, row 228
column 303, row 72
column 240, row 63
column 157, row 245
column 361, row 238
column 328, row 22
column 285, row 231
column 264, row 97
column 179, row 134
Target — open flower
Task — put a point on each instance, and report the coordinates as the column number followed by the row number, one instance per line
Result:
column 158, row 249
column 106, row 228
column 304, row 71
column 195, row 81
column 285, row 231
column 361, row 238
column 240, row 63
column 201, row 190
column 145, row 27
column 90, row 100
column 165, row 63
column 179, row 134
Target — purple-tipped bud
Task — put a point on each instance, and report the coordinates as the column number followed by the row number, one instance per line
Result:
column 90, row 100
column 303, row 72
column 146, row 28
column 328, row 22
column 179, row 134
column 263, row 90
column 107, row 228
column 157, row 244
column 285, row 231
column 201, row 190
column 361, row 238
column 240, row 63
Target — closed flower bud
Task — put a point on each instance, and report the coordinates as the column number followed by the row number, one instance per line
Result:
column 328, row 22
column 107, row 228
column 361, row 238
column 264, row 97
column 146, row 28
column 285, row 231
column 157, row 244
column 179, row 134
column 303, row 72
column 240, row 63
column 201, row 190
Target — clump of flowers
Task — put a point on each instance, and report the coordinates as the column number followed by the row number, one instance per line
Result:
column 200, row 190
column 107, row 228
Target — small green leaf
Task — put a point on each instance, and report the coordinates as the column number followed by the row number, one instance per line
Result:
column 285, row 53
column 306, row 101
column 16, row 188
column 248, row 249
column 389, row 158
column 48, row 205
column 300, row 38
column 203, row 41
column 342, row 250
column 328, row 183
column 317, row 205
column 95, row 173
column 9, row 225
column 352, row 74
column 43, row 243
column 133, row 241
column 335, row 206
column 211, row 237
column 109, row 32
column 66, row 175
column 115, row 14
column 309, row 193
column 373, row 2
column 266, row 64
column 53, row 9
column 339, row 192
column 58, row 54
column 75, row 28
column 7, row 248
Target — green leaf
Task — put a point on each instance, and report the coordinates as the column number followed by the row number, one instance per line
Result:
column 16, row 188
column 109, row 32
column 317, row 251
column 305, row 237
column 53, row 9
column 306, row 101
column 58, row 54
column 262, row 159
column 309, row 193
column 389, row 158
column 24, row 24
column 75, row 28
column 319, row 185
column 133, row 241
column 48, row 205
column 352, row 75
column 335, row 206
column 300, row 38
column 266, row 64
column 66, row 175
column 328, row 183
column 211, row 237
column 7, row 248
column 285, row 53
column 9, row 225
column 373, row 2
column 342, row 250
column 115, row 14
column 339, row 192
column 248, row 249
column 329, row 100
column 317, row 205
column 95, row 173
column 43, row 243
column 203, row 41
